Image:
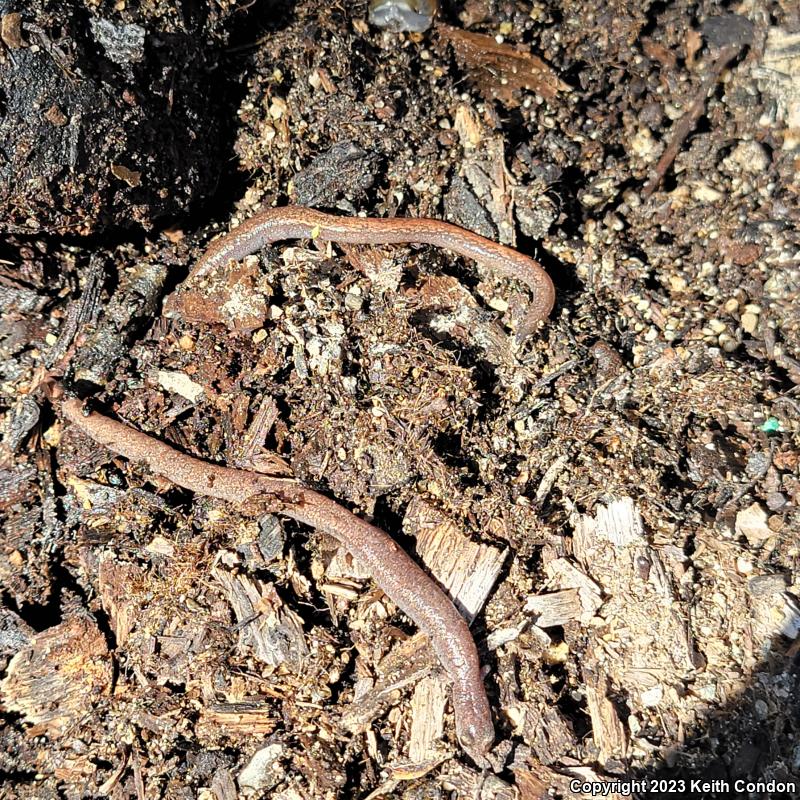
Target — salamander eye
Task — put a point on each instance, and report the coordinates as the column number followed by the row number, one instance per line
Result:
column 403, row 15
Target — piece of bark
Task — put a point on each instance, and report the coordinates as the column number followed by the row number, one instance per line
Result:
column 234, row 295
column 15, row 634
column 19, row 421
column 133, row 303
column 80, row 313
column 500, row 71
column 248, row 453
column 484, row 177
column 54, row 680
column 468, row 783
column 222, row 785
column 16, row 484
column 619, row 522
column 117, row 586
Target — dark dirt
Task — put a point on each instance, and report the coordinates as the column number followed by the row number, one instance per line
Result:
column 639, row 458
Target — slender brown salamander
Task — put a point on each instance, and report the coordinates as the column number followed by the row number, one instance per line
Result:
column 297, row 222
column 411, row 589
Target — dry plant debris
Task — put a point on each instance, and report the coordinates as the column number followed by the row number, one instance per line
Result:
column 627, row 483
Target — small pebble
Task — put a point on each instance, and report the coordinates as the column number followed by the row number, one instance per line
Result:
column 776, row 501
column 678, row 283
column 744, row 566
column 731, row 306
column 749, row 322
column 750, row 157
column 728, row 343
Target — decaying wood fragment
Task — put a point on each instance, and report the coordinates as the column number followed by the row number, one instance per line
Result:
column 648, row 646
column 500, row 71
column 18, row 423
column 272, row 631
column 549, row 733
column 116, row 586
column 556, row 608
column 54, row 681
column 16, row 484
column 563, row 574
column 468, row 783
column 80, row 313
column 482, row 197
column 467, row 570
column 608, row 731
column 135, row 301
column 405, row 666
column 245, row 718
column 248, row 454
column 427, row 718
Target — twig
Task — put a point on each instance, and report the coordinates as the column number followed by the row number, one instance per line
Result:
column 684, row 126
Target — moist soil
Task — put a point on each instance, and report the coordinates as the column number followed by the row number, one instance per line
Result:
column 625, row 480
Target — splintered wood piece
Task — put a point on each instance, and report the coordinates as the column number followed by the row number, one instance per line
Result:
column 246, row 718
column 550, row 735
column 562, row 574
column 404, row 666
column 271, row 630
column 607, row 728
column 647, row 645
column 52, row 681
column 556, row 608
column 249, row 451
column 466, row 569
column 427, row 718
column 116, row 584
column 619, row 523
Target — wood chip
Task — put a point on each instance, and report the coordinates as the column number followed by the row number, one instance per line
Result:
column 467, row 570
column 272, row 631
column 246, row 718
column 427, row 718
column 404, row 666
column 557, row 608
column 52, row 682
column 607, row 728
